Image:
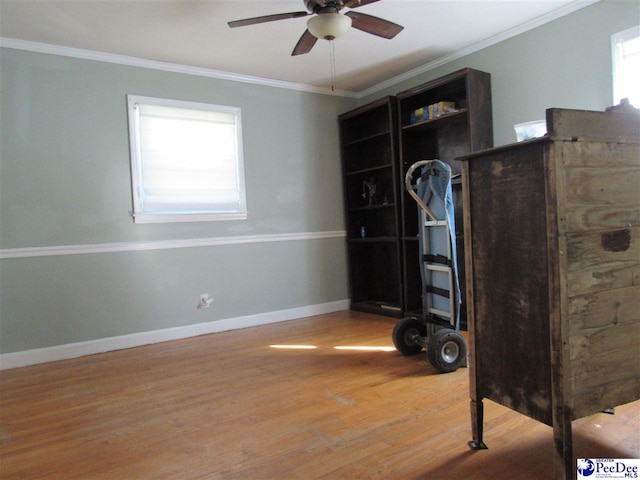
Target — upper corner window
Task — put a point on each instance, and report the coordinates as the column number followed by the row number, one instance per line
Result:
column 186, row 161
column 626, row 66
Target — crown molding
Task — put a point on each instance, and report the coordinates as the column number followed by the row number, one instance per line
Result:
column 164, row 66
column 236, row 77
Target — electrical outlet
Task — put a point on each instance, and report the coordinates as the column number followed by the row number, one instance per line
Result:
column 205, row 300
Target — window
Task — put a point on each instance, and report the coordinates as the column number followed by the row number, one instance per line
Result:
column 186, row 161
column 626, row 66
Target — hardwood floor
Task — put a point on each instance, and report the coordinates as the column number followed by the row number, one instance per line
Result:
column 230, row 406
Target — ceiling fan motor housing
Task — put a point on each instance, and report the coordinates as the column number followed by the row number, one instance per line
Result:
column 316, row 5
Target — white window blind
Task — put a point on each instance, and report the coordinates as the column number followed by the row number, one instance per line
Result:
column 626, row 66
column 186, row 161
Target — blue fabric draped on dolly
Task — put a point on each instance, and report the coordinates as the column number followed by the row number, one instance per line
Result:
column 434, row 189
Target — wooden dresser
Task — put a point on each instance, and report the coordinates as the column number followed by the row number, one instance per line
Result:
column 552, row 245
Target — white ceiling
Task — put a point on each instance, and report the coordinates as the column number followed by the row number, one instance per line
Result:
column 194, row 33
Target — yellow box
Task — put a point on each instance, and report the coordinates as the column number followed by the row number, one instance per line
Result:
column 442, row 108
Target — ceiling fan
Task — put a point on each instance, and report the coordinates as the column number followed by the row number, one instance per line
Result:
column 327, row 23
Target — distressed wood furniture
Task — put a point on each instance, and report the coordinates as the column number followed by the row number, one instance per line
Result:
column 552, row 239
column 467, row 129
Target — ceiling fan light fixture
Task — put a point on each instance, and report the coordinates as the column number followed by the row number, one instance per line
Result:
column 329, row 26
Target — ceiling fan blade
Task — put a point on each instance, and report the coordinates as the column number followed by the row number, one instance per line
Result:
column 266, row 18
column 358, row 3
column 374, row 25
column 305, row 44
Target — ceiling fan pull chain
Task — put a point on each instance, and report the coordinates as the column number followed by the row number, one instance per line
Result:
column 332, row 56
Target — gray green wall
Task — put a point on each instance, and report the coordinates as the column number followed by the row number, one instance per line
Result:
column 65, row 182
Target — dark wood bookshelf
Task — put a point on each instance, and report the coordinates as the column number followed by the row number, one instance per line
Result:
column 469, row 128
column 379, row 142
column 369, row 144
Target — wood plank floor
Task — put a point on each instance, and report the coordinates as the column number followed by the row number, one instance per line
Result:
column 229, row 406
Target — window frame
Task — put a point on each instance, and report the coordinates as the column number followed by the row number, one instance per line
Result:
column 136, row 162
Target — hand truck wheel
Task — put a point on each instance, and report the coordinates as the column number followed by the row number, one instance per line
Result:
column 447, row 350
column 404, row 334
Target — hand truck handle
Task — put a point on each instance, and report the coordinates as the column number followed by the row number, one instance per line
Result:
column 408, row 181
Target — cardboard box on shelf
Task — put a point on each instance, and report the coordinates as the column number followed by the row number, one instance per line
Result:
column 441, row 108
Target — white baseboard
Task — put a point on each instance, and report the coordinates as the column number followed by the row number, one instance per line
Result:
column 74, row 350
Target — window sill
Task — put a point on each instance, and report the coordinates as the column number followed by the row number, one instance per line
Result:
column 187, row 217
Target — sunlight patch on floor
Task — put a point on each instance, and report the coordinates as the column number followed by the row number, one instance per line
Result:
column 353, row 348
column 366, row 349
column 295, row 347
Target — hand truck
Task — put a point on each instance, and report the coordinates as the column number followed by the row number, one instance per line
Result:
column 438, row 329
